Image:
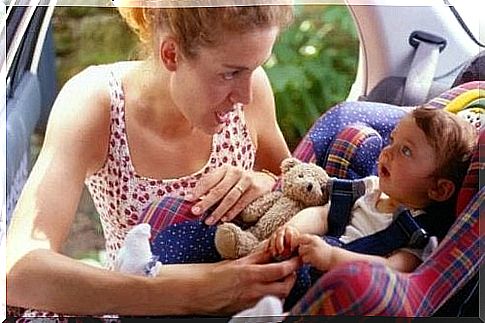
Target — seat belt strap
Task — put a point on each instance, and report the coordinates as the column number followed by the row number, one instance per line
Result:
column 343, row 194
column 404, row 231
column 423, row 67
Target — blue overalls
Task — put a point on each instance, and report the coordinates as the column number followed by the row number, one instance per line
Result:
column 404, row 231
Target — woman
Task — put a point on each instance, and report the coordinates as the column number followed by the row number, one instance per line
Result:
column 199, row 107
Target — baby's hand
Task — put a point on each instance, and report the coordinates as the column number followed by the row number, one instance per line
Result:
column 283, row 241
column 315, row 251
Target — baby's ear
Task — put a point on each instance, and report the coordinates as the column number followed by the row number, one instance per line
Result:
column 442, row 191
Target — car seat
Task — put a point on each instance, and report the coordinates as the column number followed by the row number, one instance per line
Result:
column 346, row 141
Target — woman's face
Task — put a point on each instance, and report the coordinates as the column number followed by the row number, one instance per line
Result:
column 205, row 88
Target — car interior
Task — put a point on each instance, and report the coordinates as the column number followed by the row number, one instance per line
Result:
column 409, row 54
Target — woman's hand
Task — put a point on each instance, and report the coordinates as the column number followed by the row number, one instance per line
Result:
column 283, row 241
column 239, row 284
column 233, row 187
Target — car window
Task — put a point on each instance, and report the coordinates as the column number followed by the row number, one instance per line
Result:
column 26, row 76
column 23, row 57
column 13, row 22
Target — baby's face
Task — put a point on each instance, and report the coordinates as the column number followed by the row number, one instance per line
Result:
column 407, row 164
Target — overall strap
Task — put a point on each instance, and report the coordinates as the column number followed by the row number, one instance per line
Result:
column 343, row 194
column 404, row 231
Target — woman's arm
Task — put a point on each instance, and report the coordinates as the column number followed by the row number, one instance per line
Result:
column 63, row 285
column 39, row 277
column 75, row 144
column 226, row 287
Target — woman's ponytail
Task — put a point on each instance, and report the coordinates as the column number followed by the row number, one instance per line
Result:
column 138, row 20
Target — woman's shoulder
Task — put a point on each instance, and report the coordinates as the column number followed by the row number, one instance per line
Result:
column 261, row 86
column 95, row 78
column 84, row 102
column 80, row 116
column 84, row 95
column 90, row 88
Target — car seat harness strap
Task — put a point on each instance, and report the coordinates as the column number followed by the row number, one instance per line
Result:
column 404, row 231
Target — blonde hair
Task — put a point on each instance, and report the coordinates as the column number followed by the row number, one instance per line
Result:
column 197, row 27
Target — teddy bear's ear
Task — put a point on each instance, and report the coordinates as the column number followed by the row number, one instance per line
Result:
column 289, row 163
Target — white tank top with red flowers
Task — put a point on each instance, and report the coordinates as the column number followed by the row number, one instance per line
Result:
column 120, row 194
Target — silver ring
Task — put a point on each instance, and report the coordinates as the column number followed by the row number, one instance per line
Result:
column 239, row 188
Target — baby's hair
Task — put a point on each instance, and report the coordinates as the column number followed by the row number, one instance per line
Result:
column 197, row 27
column 452, row 138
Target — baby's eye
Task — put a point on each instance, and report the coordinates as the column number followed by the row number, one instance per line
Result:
column 406, row 151
column 229, row 75
column 300, row 176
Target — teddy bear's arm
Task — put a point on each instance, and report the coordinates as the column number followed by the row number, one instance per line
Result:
column 260, row 206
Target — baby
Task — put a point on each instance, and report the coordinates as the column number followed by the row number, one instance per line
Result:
column 424, row 164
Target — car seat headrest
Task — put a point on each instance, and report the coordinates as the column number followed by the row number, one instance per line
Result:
column 354, row 152
column 474, row 70
column 471, row 183
column 470, row 105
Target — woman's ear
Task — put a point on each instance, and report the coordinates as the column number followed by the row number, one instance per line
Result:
column 169, row 53
column 442, row 191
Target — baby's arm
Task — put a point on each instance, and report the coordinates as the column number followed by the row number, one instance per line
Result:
column 311, row 220
column 315, row 251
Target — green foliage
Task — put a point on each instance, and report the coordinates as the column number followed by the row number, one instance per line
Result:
column 313, row 66
column 87, row 36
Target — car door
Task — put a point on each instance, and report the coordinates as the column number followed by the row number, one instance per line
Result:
column 28, row 68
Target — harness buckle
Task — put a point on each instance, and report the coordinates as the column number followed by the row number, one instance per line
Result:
column 417, row 237
column 346, row 187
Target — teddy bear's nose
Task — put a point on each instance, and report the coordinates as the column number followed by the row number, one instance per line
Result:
column 309, row 187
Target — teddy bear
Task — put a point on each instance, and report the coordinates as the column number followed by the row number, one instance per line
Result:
column 303, row 185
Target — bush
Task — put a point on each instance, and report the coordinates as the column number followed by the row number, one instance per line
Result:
column 87, row 36
column 313, row 66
